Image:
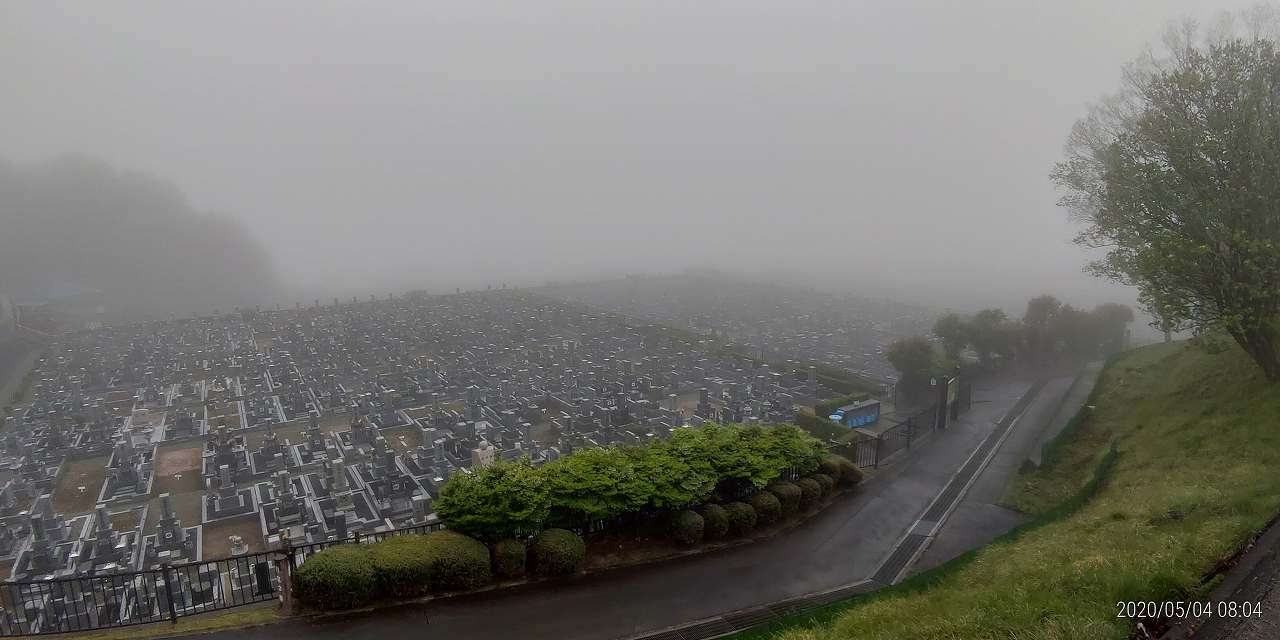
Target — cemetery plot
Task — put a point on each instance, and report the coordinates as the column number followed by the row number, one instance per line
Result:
column 217, row 541
column 403, row 439
column 294, row 432
column 178, row 471
column 78, row 485
column 544, row 431
column 186, row 506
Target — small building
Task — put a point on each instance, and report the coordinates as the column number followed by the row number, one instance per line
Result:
column 858, row 414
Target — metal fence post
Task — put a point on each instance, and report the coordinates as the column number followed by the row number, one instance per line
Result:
column 284, row 566
column 168, row 590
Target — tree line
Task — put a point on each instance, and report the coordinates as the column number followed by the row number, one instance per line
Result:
column 1048, row 330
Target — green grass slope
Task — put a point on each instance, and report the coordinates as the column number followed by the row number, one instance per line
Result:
column 1196, row 437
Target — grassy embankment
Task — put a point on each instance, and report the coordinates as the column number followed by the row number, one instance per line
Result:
column 1137, row 501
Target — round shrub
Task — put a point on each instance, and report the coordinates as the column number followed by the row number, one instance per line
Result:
column 768, row 508
column 557, row 552
column 788, row 495
column 459, row 563
column 340, row 577
column 715, row 521
column 687, row 527
column 403, row 566
column 828, row 485
column 508, row 558
column 742, row 518
column 810, row 493
column 830, row 466
column 850, row 475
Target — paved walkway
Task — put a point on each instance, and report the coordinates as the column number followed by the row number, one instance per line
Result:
column 979, row 518
column 841, row 545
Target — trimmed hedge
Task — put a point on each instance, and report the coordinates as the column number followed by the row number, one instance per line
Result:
column 830, row 466
column 715, row 521
column 768, row 508
column 742, row 518
column 557, row 552
column 844, row 472
column 460, row 563
column 810, row 493
column 340, row 577
column 788, row 495
column 828, row 485
column 508, row 558
column 352, row 575
column 506, row 500
column 687, row 527
column 403, row 565
column 850, row 475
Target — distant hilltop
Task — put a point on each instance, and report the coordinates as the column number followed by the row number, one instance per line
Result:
column 75, row 225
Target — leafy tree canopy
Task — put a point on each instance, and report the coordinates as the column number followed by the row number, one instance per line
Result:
column 1175, row 177
column 505, row 500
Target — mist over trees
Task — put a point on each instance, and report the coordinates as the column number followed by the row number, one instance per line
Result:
column 1048, row 331
column 1176, row 177
column 76, row 228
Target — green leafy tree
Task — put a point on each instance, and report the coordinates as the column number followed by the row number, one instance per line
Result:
column 509, row 500
column 1176, row 177
column 988, row 330
column 501, row 500
column 1037, row 323
column 1074, row 332
column 673, row 482
column 913, row 357
column 954, row 332
column 1111, row 326
column 594, row 484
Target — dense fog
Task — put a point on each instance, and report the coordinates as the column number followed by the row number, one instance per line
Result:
column 178, row 157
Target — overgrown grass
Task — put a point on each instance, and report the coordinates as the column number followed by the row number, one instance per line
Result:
column 1196, row 441
column 1065, row 463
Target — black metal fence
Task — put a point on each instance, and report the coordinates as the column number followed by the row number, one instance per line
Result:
column 871, row 451
column 120, row 599
column 126, row 598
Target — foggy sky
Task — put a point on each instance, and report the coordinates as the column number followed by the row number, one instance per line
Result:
column 893, row 149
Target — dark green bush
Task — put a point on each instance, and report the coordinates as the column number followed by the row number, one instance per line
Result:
column 353, row 575
column 715, row 521
column 825, row 481
column 687, row 527
column 742, row 518
column 508, row 558
column 460, row 563
column 844, row 472
column 810, row 493
column 850, row 476
column 507, row 500
column 788, row 495
column 403, row 566
column 767, row 507
column 557, row 552
column 830, row 466
column 339, row 577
